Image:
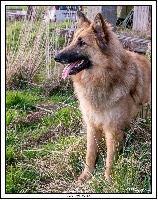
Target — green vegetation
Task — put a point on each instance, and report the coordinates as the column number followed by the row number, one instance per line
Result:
column 44, row 148
column 17, row 7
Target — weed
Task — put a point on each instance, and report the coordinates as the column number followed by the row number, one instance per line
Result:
column 21, row 179
column 20, row 100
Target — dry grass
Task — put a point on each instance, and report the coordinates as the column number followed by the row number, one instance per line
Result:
column 25, row 63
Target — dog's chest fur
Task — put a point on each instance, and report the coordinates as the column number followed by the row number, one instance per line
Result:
column 101, row 105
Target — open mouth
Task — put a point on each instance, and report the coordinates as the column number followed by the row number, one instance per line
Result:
column 75, row 67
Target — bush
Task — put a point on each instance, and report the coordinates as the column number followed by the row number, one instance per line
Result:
column 25, row 53
column 30, row 44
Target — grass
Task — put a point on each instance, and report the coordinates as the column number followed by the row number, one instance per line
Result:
column 24, row 7
column 20, row 99
column 17, row 7
column 45, row 152
column 26, row 44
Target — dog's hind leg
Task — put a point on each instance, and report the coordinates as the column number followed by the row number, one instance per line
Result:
column 113, row 143
column 93, row 136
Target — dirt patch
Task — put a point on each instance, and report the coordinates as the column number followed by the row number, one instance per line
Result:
column 32, row 117
column 52, row 132
column 44, row 109
column 47, row 107
column 67, row 187
column 37, row 116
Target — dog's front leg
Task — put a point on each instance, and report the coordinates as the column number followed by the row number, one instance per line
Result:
column 93, row 136
column 114, row 144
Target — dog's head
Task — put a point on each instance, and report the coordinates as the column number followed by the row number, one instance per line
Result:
column 89, row 39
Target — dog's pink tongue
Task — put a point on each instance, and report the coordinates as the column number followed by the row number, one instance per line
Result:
column 68, row 68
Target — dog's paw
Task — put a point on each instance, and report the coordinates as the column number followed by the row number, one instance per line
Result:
column 108, row 178
column 85, row 176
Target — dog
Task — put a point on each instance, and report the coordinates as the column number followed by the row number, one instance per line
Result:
column 111, row 84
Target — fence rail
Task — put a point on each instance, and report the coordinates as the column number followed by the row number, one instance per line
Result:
column 131, row 39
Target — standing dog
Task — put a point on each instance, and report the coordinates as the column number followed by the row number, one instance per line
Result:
column 110, row 82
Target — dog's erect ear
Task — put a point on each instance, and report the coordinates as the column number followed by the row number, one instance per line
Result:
column 81, row 19
column 100, row 28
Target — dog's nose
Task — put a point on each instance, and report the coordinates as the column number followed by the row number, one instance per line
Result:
column 57, row 58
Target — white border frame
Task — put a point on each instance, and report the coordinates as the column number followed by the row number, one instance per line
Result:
column 154, row 97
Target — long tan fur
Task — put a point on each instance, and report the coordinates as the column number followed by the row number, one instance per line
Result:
column 111, row 91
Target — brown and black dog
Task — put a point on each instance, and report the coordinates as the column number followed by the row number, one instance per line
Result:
column 110, row 82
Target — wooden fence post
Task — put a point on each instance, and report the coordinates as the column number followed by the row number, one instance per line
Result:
column 108, row 12
column 142, row 18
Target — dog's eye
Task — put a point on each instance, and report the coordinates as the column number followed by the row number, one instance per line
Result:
column 81, row 42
